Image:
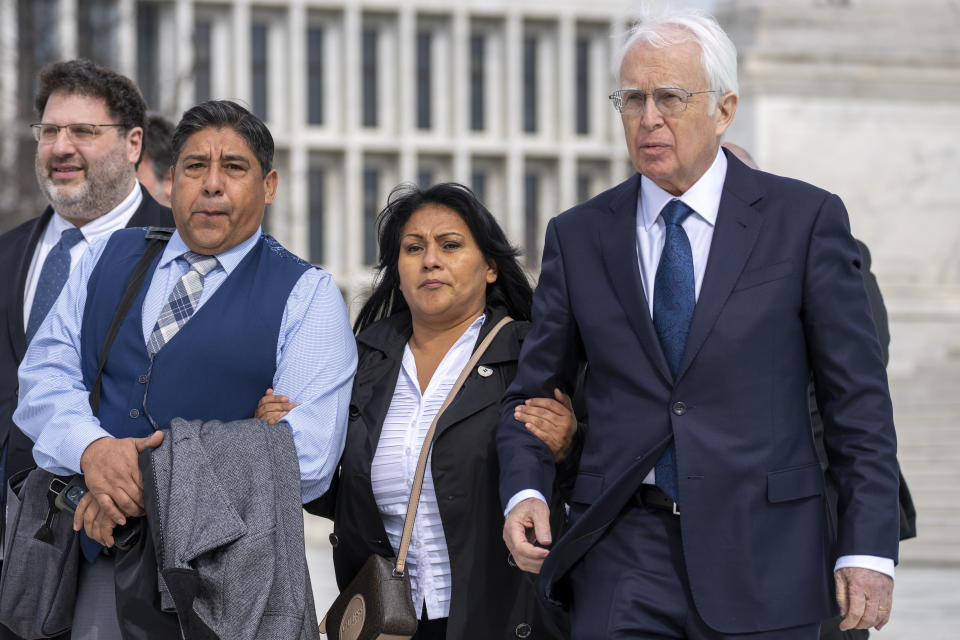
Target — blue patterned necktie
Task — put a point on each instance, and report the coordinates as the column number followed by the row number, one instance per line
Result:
column 674, row 298
column 53, row 275
column 182, row 301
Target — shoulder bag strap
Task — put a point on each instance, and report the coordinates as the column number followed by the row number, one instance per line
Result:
column 158, row 238
column 428, row 442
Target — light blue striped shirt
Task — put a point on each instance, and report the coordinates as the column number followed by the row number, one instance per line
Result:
column 316, row 361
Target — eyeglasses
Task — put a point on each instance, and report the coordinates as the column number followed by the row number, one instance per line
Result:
column 669, row 100
column 78, row 132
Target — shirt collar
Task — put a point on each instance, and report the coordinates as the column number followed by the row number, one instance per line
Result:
column 116, row 218
column 228, row 260
column 703, row 197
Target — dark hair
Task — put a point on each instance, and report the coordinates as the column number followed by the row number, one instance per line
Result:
column 225, row 113
column 86, row 78
column 511, row 289
column 157, row 144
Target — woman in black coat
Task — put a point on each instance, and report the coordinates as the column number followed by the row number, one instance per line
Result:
column 446, row 276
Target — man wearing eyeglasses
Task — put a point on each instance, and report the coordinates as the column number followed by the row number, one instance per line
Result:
column 89, row 139
column 703, row 294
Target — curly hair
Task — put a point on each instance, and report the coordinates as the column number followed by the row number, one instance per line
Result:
column 86, row 78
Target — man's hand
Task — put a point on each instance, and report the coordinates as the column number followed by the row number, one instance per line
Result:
column 272, row 408
column 94, row 520
column 550, row 420
column 528, row 522
column 865, row 598
column 111, row 470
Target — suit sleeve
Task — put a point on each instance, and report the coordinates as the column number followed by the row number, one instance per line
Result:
column 851, row 389
column 549, row 358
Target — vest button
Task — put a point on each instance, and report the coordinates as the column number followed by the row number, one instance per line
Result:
column 334, row 540
column 134, row 413
column 679, row 408
column 523, row 630
column 144, row 379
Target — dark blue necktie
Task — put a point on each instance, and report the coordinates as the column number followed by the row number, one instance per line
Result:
column 53, row 275
column 674, row 298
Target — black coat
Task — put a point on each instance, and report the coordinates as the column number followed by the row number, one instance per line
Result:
column 490, row 597
column 16, row 253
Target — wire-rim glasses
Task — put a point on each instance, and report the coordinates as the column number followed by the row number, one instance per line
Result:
column 668, row 100
column 78, row 132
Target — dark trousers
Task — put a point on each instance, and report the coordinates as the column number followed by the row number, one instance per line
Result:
column 430, row 629
column 646, row 593
column 830, row 630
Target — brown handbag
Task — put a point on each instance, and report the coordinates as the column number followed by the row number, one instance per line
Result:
column 377, row 604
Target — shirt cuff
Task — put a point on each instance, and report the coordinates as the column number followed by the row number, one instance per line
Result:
column 76, row 441
column 520, row 496
column 874, row 563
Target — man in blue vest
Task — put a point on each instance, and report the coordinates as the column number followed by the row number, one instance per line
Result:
column 224, row 313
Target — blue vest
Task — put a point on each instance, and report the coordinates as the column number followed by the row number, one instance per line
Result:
column 218, row 364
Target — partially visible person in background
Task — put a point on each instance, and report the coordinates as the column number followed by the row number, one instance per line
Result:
column 446, row 276
column 89, row 137
column 157, row 158
column 830, row 628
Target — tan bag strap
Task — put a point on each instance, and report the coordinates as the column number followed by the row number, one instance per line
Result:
column 428, row 443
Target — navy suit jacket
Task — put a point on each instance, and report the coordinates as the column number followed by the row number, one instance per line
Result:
column 782, row 296
column 16, row 253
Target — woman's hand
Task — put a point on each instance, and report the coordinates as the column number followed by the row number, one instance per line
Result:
column 271, row 409
column 550, row 420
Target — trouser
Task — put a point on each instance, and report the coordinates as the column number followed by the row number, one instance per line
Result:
column 430, row 629
column 646, row 593
column 830, row 630
column 95, row 614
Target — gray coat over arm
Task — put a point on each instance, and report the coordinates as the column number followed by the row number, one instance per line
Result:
column 223, row 502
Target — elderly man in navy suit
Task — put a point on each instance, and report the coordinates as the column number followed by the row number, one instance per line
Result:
column 702, row 294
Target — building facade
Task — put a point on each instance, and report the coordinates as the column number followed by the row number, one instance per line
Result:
column 508, row 98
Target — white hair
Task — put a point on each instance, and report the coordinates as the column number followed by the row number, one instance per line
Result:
column 663, row 26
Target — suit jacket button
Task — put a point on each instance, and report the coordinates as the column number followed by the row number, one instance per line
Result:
column 523, row 630
column 134, row 413
column 143, row 379
column 334, row 540
column 679, row 408
column 354, row 412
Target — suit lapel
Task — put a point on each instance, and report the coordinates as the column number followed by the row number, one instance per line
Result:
column 18, row 335
column 618, row 242
column 737, row 229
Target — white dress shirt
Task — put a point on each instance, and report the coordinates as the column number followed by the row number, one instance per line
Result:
column 704, row 198
column 116, row 218
column 395, row 464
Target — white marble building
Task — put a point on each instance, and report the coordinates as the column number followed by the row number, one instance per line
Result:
column 863, row 98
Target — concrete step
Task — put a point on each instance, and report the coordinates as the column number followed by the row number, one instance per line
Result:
column 927, row 414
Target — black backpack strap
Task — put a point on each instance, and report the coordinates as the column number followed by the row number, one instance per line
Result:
column 157, row 238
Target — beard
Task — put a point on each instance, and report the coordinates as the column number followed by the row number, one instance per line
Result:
column 106, row 182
